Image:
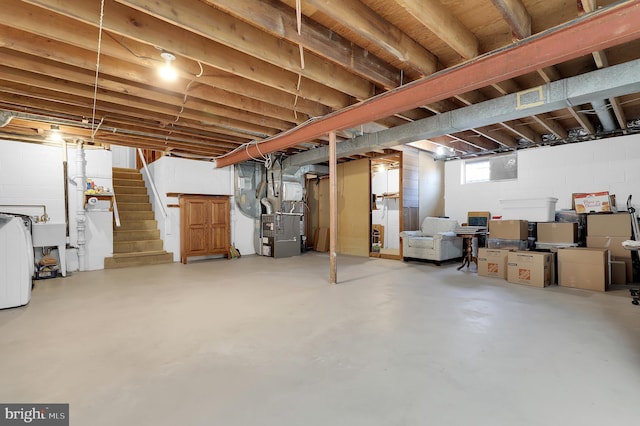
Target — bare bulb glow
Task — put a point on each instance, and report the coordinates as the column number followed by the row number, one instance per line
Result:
column 55, row 136
column 167, row 72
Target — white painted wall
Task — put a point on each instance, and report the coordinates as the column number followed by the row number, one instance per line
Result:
column 33, row 174
column 99, row 220
column 179, row 175
column 388, row 213
column 605, row 165
column 123, row 156
column 430, row 186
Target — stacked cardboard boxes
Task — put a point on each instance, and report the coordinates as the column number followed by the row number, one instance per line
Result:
column 608, row 231
column 492, row 263
column 508, row 234
column 557, row 233
column 582, row 267
column 529, row 268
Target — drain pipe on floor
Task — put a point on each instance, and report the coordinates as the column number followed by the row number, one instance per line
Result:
column 81, row 217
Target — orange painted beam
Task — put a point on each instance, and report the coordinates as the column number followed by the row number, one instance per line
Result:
column 600, row 30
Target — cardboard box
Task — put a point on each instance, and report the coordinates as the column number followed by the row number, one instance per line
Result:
column 552, row 232
column 614, row 244
column 592, row 202
column 618, row 272
column 529, row 267
column 628, row 263
column 609, row 225
column 513, row 245
column 509, row 229
column 492, row 263
column 582, row 267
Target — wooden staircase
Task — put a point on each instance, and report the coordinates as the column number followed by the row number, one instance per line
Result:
column 137, row 240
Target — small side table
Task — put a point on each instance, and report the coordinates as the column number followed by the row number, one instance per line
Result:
column 467, row 248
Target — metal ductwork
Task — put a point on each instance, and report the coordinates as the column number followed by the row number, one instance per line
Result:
column 617, row 80
column 5, row 118
column 599, row 30
column 601, row 108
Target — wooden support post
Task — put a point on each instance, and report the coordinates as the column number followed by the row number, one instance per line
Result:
column 333, row 209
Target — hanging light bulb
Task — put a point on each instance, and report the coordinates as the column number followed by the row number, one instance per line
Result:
column 167, row 72
column 54, row 134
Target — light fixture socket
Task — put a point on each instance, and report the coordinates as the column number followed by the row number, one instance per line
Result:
column 167, row 56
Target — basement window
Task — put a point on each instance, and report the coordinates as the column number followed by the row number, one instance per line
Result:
column 500, row 167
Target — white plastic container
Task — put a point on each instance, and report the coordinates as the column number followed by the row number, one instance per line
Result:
column 531, row 209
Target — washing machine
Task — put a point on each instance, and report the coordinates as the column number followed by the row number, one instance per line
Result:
column 16, row 261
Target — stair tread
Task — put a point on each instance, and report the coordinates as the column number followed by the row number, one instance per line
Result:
column 140, row 254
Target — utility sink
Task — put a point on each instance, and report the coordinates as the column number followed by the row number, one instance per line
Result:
column 45, row 234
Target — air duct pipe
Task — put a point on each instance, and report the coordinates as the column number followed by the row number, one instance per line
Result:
column 5, row 118
column 604, row 115
column 265, row 202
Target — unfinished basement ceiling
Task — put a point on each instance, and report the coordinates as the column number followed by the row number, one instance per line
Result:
column 245, row 75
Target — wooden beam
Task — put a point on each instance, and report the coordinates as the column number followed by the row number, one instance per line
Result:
column 35, row 99
column 522, row 130
column 146, row 29
column 497, row 136
column 606, row 28
column 194, row 16
column 63, row 88
column 333, row 210
column 439, row 20
column 58, row 72
column 120, row 62
column 516, row 15
column 279, row 20
column 582, row 120
column 547, row 121
column 368, row 24
column 619, row 112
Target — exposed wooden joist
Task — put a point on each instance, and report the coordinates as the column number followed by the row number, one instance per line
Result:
column 195, row 16
column 118, row 61
column 65, row 103
column 582, row 119
column 368, row 24
column 516, row 15
column 547, row 121
column 62, row 72
column 496, row 136
column 280, row 20
column 606, row 28
column 145, row 29
column 63, row 88
column 618, row 112
column 439, row 20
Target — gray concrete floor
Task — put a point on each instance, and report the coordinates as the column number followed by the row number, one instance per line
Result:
column 260, row 341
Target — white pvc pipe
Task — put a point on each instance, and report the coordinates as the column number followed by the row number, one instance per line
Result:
column 81, row 218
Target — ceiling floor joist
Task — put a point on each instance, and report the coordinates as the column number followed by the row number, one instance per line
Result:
column 619, row 80
column 597, row 31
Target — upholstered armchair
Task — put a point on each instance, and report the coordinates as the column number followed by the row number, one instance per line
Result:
column 436, row 240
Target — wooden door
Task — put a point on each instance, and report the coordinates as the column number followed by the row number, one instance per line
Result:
column 205, row 225
column 195, row 227
column 218, row 238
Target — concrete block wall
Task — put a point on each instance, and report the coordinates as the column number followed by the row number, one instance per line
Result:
column 603, row 165
column 33, row 174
